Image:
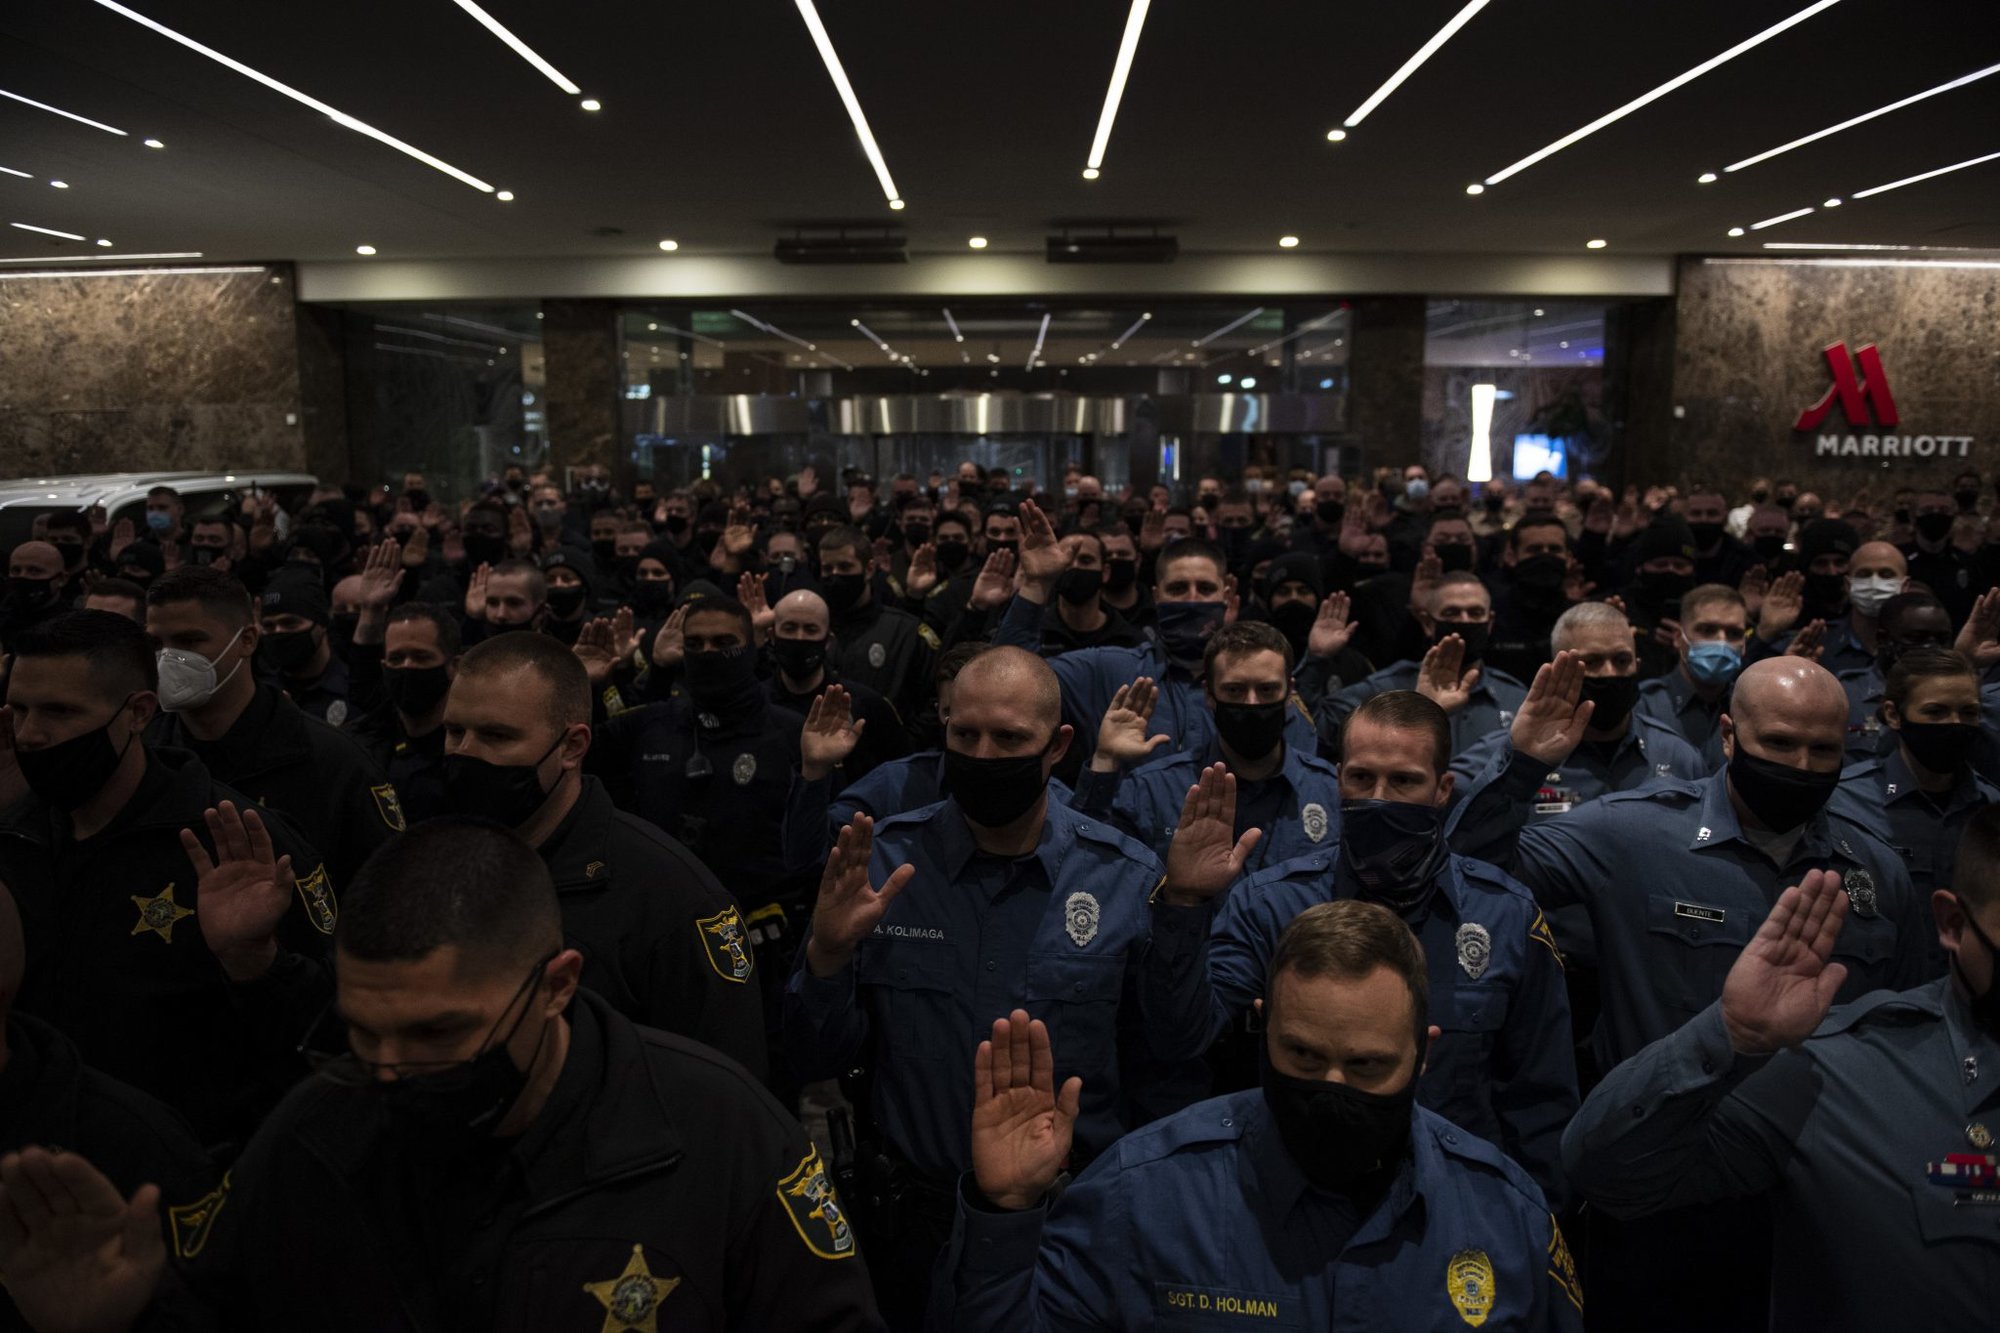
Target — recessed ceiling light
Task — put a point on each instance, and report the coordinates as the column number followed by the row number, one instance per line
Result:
column 1647, row 98
column 1706, row 178
column 338, row 116
column 1770, row 153
column 993, row 357
column 104, row 243
column 66, row 235
column 831, row 59
column 1121, row 69
column 897, row 205
column 60, row 185
column 1831, row 203
column 1922, row 176
column 1475, row 188
column 1736, row 231
column 1335, row 136
column 1224, row 378
column 591, row 104
column 1248, row 382
column 976, row 242
column 1595, row 244
column 1538, row 312
column 364, row 249
column 1289, row 242
column 520, row 48
column 1409, row 67
column 66, row 115
column 505, row 196
column 1565, row 342
column 670, row 245
column 154, row 143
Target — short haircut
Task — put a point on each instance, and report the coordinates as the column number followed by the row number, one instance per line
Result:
column 844, row 537
column 723, row 604
column 210, row 521
column 458, row 882
column 1350, row 938
column 118, row 588
column 1708, row 594
column 1587, row 616
column 945, row 516
column 1243, row 638
column 220, row 594
column 70, row 520
column 538, row 582
column 1461, row 578
column 1089, row 535
column 1446, row 516
column 439, row 618
column 1924, row 663
column 1039, row 686
column 1406, row 710
column 1521, row 525
column 167, row 491
column 1192, row 548
column 116, row 648
column 1975, row 876
column 953, row 659
column 1902, row 604
column 563, row 678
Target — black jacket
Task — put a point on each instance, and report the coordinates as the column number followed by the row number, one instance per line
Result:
column 313, row 774
column 883, row 739
column 662, row 942
column 117, row 962
column 889, row 651
column 659, row 1176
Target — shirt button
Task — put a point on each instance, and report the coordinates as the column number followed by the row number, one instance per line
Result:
column 1452, row 1139
column 1227, row 1122
column 1638, row 1113
column 989, row 965
column 1707, row 1065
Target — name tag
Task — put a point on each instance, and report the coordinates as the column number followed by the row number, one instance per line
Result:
column 1552, row 807
column 1264, row 1308
column 1696, row 912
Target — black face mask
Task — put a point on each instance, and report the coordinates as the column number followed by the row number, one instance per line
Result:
column 31, row 595
column 72, row 554
column 1391, row 851
column 721, row 680
column 676, row 524
column 507, row 793
column 445, row 1112
column 1941, row 747
column 1934, row 527
column 842, row 591
column 1077, row 586
column 1494, row 503
column 652, row 597
column 1330, row 512
column 341, row 629
column 798, row 658
column 414, row 691
column 1343, row 1139
column 287, row 654
column 68, row 773
column 1454, row 556
column 1541, row 574
column 1614, row 696
column 1475, row 637
column 625, row 568
column 1011, row 546
column 566, row 602
column 1967, row 501
column 916, row 534
column 951, row 555
column 1661, row 586
column 706, row 538
column 1120, row 574
column 1185, row 628
column 1768, row 546
column 1825, row 592
column 1779, row 796
column 1251, row 730
column 993, row 793
column 1705, row 534
column 1294, row 620
column 1985, row 1006
column 604, row 552
column 481, row 549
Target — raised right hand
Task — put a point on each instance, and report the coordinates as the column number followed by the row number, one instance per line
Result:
column 1021, row 1128
column 1043, row 558
column 78, row 1257
column 382, row 577
column 1331, row 629
column 1550, row 722
column 1206, row 856
column 1782, row 984
column 1439, row 678
column 830, row 734
column 922, row 575
column 1784, row 603
column 849, row 907
column 670, row 644
column 995, row 585
column 475, row 593
column 1121, row 736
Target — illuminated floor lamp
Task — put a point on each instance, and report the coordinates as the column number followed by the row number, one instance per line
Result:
column 1479, row 466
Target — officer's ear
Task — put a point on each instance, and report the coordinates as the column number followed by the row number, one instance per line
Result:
column 1059, row 746
column 575, row 745
column 451, row 667
column 145, row 707
column 1892, row 715
column 1949, row 914
column 1445, row 785
column 1431, row 1035
column 1728, row 737
column 559, row 981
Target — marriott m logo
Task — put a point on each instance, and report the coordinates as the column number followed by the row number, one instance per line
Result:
column 1856, row 395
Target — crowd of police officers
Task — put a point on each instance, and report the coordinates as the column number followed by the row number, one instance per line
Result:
column 1305, row 902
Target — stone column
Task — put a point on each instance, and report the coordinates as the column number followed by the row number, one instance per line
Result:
column 1385, row 377
column 583, row 384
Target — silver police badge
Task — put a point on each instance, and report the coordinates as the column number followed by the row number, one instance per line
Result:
column 1860, row 886
column 1080, row 918
column 1475, row 949
column 744, row 769
column 878, row 655
column 336, row 712
column 1314, row 818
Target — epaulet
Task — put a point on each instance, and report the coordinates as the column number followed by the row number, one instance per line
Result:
column 1676, row 792
column 929, row 636
column 1488, row 875
column 1883, row 1006
column 1097, row 831
column 1300, row 704
column 1310, row 865
column 1319, row 765
column 1164, row 759
column 1212, row 1121
column 1461, row 1146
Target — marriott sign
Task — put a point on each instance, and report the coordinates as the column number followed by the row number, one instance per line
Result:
column 1867, row 403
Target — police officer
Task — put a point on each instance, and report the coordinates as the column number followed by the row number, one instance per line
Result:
column 500, row 1149
column 1326, row 1199
column 248, row 734
column 883, row 647
column 1875, row 572
column 1479, row 697
column 1013, row 900
column 1675, row 878
column 1291, row 794
column 801, row 672
column 1193, row 597
column 1506, row 1070
column 295, row 652
column 1869, row 1130
column 401, row 667
column 1711, row 640
column 175, row 933
column 661, row 940
column 1907, row 620
column 1078, row 617
column 941, row 573
column 1919, row 796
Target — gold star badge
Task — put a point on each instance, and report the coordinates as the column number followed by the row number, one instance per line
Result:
column 159, row 915
column 631, row 1300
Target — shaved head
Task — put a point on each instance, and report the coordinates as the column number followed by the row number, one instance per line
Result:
column 1872, row 559
column 803, row 608
column 1788, row 710
column 35, row 560
column 1005, row 672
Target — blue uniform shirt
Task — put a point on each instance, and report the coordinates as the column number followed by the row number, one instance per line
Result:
column 1867, row 734
column 1495, row 700
column 814, row 816
column 1882, row 796
column 1504, row 1067
column 1849, row 1135
column 1091, row 676
column 1672, row 699
column 1066, row 933
column 1146, row 802
column 1203, row 1222
column 1674, row 890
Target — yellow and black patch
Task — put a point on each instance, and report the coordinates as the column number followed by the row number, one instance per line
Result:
column 316, row 892
column 591, row 871
column 631, row 1300
column 727, row 945
column 391, row 808
column 159, row 914
column 614, row 701
column 1562, row 1266
column 930, row 636
column 1541, row 934
column 815, row 1210
column 1469, row 1283
column 193, row 1223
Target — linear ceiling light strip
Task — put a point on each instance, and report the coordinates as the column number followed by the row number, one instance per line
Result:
column 1865, row 116
column 1424, row 52
column 520, row 48
column 1121, row 70
column 810, row 13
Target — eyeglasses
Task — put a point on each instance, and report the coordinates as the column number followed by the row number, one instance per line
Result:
column 350, row 1070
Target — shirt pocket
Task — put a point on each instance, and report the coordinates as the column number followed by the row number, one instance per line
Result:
column 916, row 988
column 1077, row 996
column 1867, row 944
column 1695, row 944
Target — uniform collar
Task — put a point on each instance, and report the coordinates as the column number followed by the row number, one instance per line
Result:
column 1682, row 692
column 1720, row 825
column 1059, row 828
column 1972, row 1050
column 1898, row 783
column 578, row 853
column 1293, row 771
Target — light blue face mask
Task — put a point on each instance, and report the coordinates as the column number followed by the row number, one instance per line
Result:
column 1714, row 662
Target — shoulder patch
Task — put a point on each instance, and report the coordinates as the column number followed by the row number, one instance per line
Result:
column 390, row 807
column 317, row 894
column 930, row 637
column 1540, row 933
column 727, row 945
column 809, row 1200
column 193, row 1223
column 1562, row 1266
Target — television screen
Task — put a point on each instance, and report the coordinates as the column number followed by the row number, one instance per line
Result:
column 1539, row 453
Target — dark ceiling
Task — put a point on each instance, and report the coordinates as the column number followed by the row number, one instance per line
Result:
column 720, row 125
